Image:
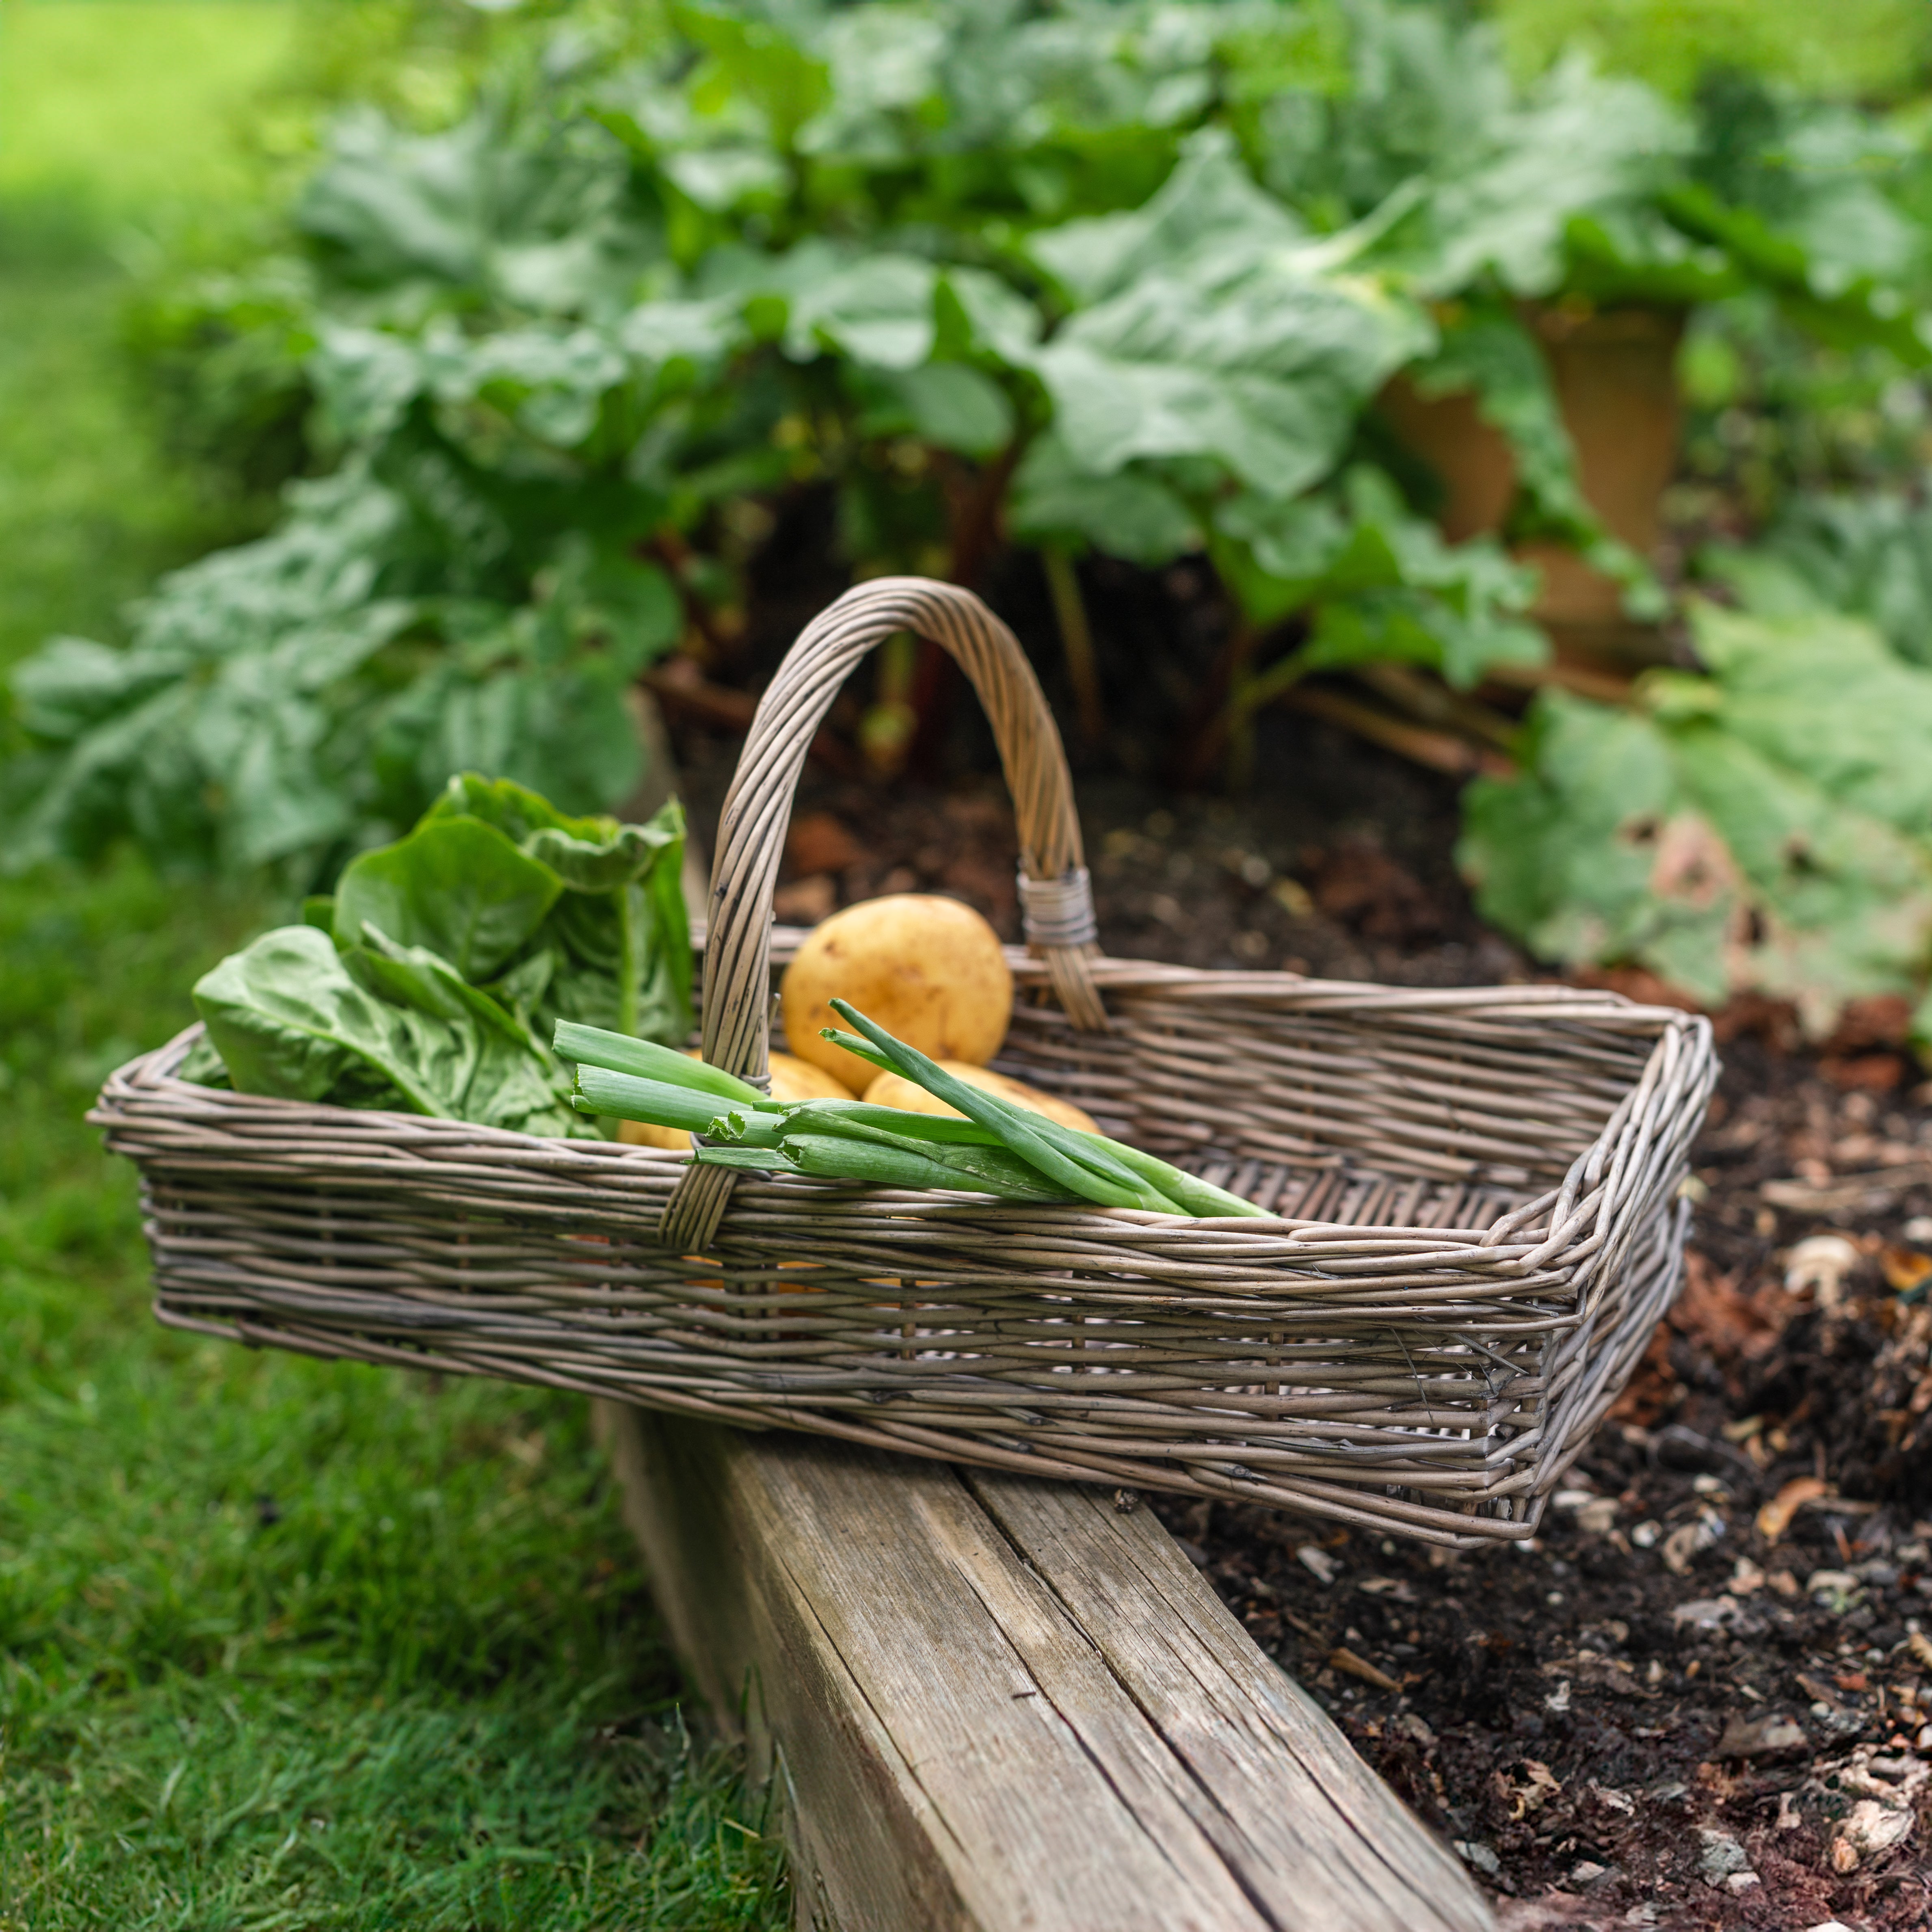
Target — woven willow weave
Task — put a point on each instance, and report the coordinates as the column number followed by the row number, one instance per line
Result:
column 1476, row 1195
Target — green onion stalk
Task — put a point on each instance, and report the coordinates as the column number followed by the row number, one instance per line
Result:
column 995, row 1147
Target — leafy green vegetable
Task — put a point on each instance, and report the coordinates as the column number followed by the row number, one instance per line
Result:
column 380, row 1026
column 1769, row 826
column 455, row 885
column 1378, row 584
column 285, row 701
column 1867, row 555
column 1210, row 325
column 578, row 919
column 443, row 962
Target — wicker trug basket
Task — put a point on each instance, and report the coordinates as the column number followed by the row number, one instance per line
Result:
column 1477, row 1195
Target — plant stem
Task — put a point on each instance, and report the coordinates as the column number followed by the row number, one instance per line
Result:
column 1248, row 696
column 1208, row 730
column 1429, row 702
column 1076, row 642
column 668, row 545
column 976, row 517
column 1440, row 750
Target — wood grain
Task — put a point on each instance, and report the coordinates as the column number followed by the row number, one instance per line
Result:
column 996, row 1703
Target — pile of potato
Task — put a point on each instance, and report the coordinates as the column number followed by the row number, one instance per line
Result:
column 930, row 971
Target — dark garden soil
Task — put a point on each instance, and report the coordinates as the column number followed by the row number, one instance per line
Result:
column 1702, row 1697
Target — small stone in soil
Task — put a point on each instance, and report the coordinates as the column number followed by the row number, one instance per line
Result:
column 1482, row 1856
column 1319, row 1561
column 1868, row 1828
column 1720, row 1856
column 1764, row 1737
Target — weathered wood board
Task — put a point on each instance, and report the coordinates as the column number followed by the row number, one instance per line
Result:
column 997, row 1703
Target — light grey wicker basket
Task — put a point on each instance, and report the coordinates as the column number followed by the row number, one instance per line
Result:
column 1477, row 1195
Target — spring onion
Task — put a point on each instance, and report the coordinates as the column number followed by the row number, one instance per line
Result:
column 996, row 1148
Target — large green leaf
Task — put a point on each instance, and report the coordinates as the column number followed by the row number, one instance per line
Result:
column 875, row 308
column 515, row 810
column 1131, row 514
column 1209, row 200
column 1214, row 331
column 952, row 406
column 530, row 209
column 455, row 885
column 1867, row 555
column 616, row 941
column 760, row 62
column 375, row 1001
column 512, row 1080
column 567, row 733
column 1579, row 143
column 290, row 1018
column 1380, row 584
column 1824, row 697
column 622, row 935
column 571, row 917
column 288, row 701
column 1842, row 303
column 1766, row 826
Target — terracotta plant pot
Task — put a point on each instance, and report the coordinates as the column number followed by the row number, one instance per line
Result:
column 1614, row 371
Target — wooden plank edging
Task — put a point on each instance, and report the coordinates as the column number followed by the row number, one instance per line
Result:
column 1000, row 1703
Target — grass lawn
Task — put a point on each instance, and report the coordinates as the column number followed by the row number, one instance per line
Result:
column 282, row 1643
column 131, row 102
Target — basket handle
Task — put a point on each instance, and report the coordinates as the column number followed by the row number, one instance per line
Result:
column 1056, row 897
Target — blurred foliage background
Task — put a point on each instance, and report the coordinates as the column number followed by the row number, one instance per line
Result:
column 1474, row 351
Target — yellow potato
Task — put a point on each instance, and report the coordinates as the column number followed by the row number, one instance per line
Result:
column 928, row 970
column 892, row 1090
column 792, row 1079
column 795, row 1079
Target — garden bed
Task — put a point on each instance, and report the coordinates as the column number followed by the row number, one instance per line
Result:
column 989, row 1702
column 1711, row 1664
column 1658, row 1713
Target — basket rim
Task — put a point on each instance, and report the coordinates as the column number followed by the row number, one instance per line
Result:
column 1522, row 1235
column 1276, row 989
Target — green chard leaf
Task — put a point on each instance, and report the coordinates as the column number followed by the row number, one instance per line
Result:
column 433, row 979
